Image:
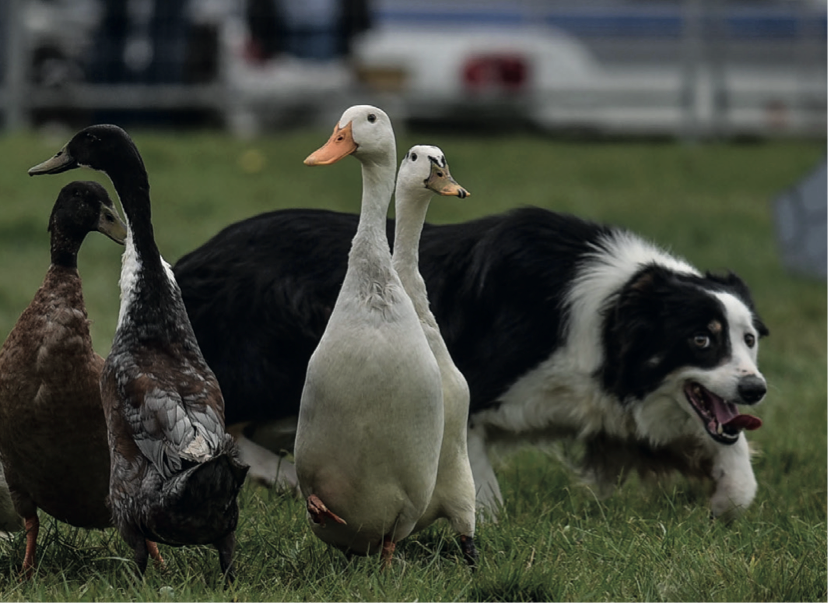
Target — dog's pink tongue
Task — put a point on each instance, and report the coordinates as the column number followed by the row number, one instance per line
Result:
column 727, row 415
column 745, row 422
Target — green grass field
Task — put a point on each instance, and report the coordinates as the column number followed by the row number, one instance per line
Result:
column 710, row 204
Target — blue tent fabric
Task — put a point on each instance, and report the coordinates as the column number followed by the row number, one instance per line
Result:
column 801, row 222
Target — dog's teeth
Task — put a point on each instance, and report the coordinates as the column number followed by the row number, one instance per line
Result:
column 720, row 429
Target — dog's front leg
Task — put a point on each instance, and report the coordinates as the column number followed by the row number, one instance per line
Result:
column 735, row 483
column 488, row 494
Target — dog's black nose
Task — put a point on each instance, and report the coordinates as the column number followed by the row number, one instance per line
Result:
column 752, row 389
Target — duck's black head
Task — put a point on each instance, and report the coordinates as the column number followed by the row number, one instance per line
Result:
column 83, row 207
column 102, row 147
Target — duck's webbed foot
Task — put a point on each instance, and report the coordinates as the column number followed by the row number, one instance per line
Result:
column 32, row 525
column 319, row 512
column 386, row 553
column 226, row 547
column 155, row 554
column 468, row 548
column 140, row 553
column 143, row 549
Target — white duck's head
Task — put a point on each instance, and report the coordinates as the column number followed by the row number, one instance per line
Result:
column 363, row 131
column 424, row 168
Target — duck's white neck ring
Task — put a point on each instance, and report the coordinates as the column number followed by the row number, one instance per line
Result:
column 134, row 283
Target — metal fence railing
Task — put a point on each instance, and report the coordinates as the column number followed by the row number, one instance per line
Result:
column 691, row 68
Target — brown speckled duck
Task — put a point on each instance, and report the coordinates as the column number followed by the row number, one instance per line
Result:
column 174, row 474
column 53, row 441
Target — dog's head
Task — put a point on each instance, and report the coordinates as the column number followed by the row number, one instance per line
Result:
column 689, row 339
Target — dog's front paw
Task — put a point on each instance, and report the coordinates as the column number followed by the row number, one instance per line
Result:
column 733, row 495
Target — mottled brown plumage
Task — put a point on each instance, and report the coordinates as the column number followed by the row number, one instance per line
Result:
column 10, row 520
column 53, row 442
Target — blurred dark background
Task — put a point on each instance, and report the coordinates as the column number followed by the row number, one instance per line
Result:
column 694, row 69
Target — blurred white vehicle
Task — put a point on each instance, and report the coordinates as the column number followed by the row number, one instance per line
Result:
column 442, row 73
column 465, row 59
column 695, row 68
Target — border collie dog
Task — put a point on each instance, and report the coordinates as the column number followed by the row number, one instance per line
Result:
column 564, row 329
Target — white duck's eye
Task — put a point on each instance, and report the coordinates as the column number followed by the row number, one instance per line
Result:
column 372, row 117
column 414, row 157
column 749, row 340
column 701, row 340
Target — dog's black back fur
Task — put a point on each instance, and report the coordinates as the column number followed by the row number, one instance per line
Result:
column 260, row 292
column 493, row 284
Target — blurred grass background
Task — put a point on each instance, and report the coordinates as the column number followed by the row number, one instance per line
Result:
column 708, row 203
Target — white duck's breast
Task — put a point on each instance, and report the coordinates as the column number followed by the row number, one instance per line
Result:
column 371, row 420
column 366, row 380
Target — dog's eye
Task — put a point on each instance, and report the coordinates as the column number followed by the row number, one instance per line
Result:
column 701, row 341
column 749, row 340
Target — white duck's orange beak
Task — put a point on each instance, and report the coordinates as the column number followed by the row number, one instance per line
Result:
column 340, row 144
column 441, row 181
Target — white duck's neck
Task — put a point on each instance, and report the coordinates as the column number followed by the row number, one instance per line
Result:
column 378, row 183
column 410, row 213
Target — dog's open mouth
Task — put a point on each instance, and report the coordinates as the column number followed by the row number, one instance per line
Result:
column 721, row 418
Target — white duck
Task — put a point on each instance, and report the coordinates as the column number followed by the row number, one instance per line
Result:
column 371, row 415
column 424, row 172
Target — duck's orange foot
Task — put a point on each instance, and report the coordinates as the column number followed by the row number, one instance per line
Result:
column 32, row 527
column 319, row 512
column 387, row 552
column 27, row 571
column 153, row 550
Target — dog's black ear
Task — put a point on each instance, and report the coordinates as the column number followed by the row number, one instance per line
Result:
column 733, row 284
column 631, row 327
column 639, row 300
column 760, row 326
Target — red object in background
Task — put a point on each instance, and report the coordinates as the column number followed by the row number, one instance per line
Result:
column 507, row 73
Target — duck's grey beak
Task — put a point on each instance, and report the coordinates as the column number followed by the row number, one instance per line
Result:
column 61, row 162
column 441, row 182
column 111, row 225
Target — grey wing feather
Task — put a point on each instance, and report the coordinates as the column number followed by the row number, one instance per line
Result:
column 169, row 432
